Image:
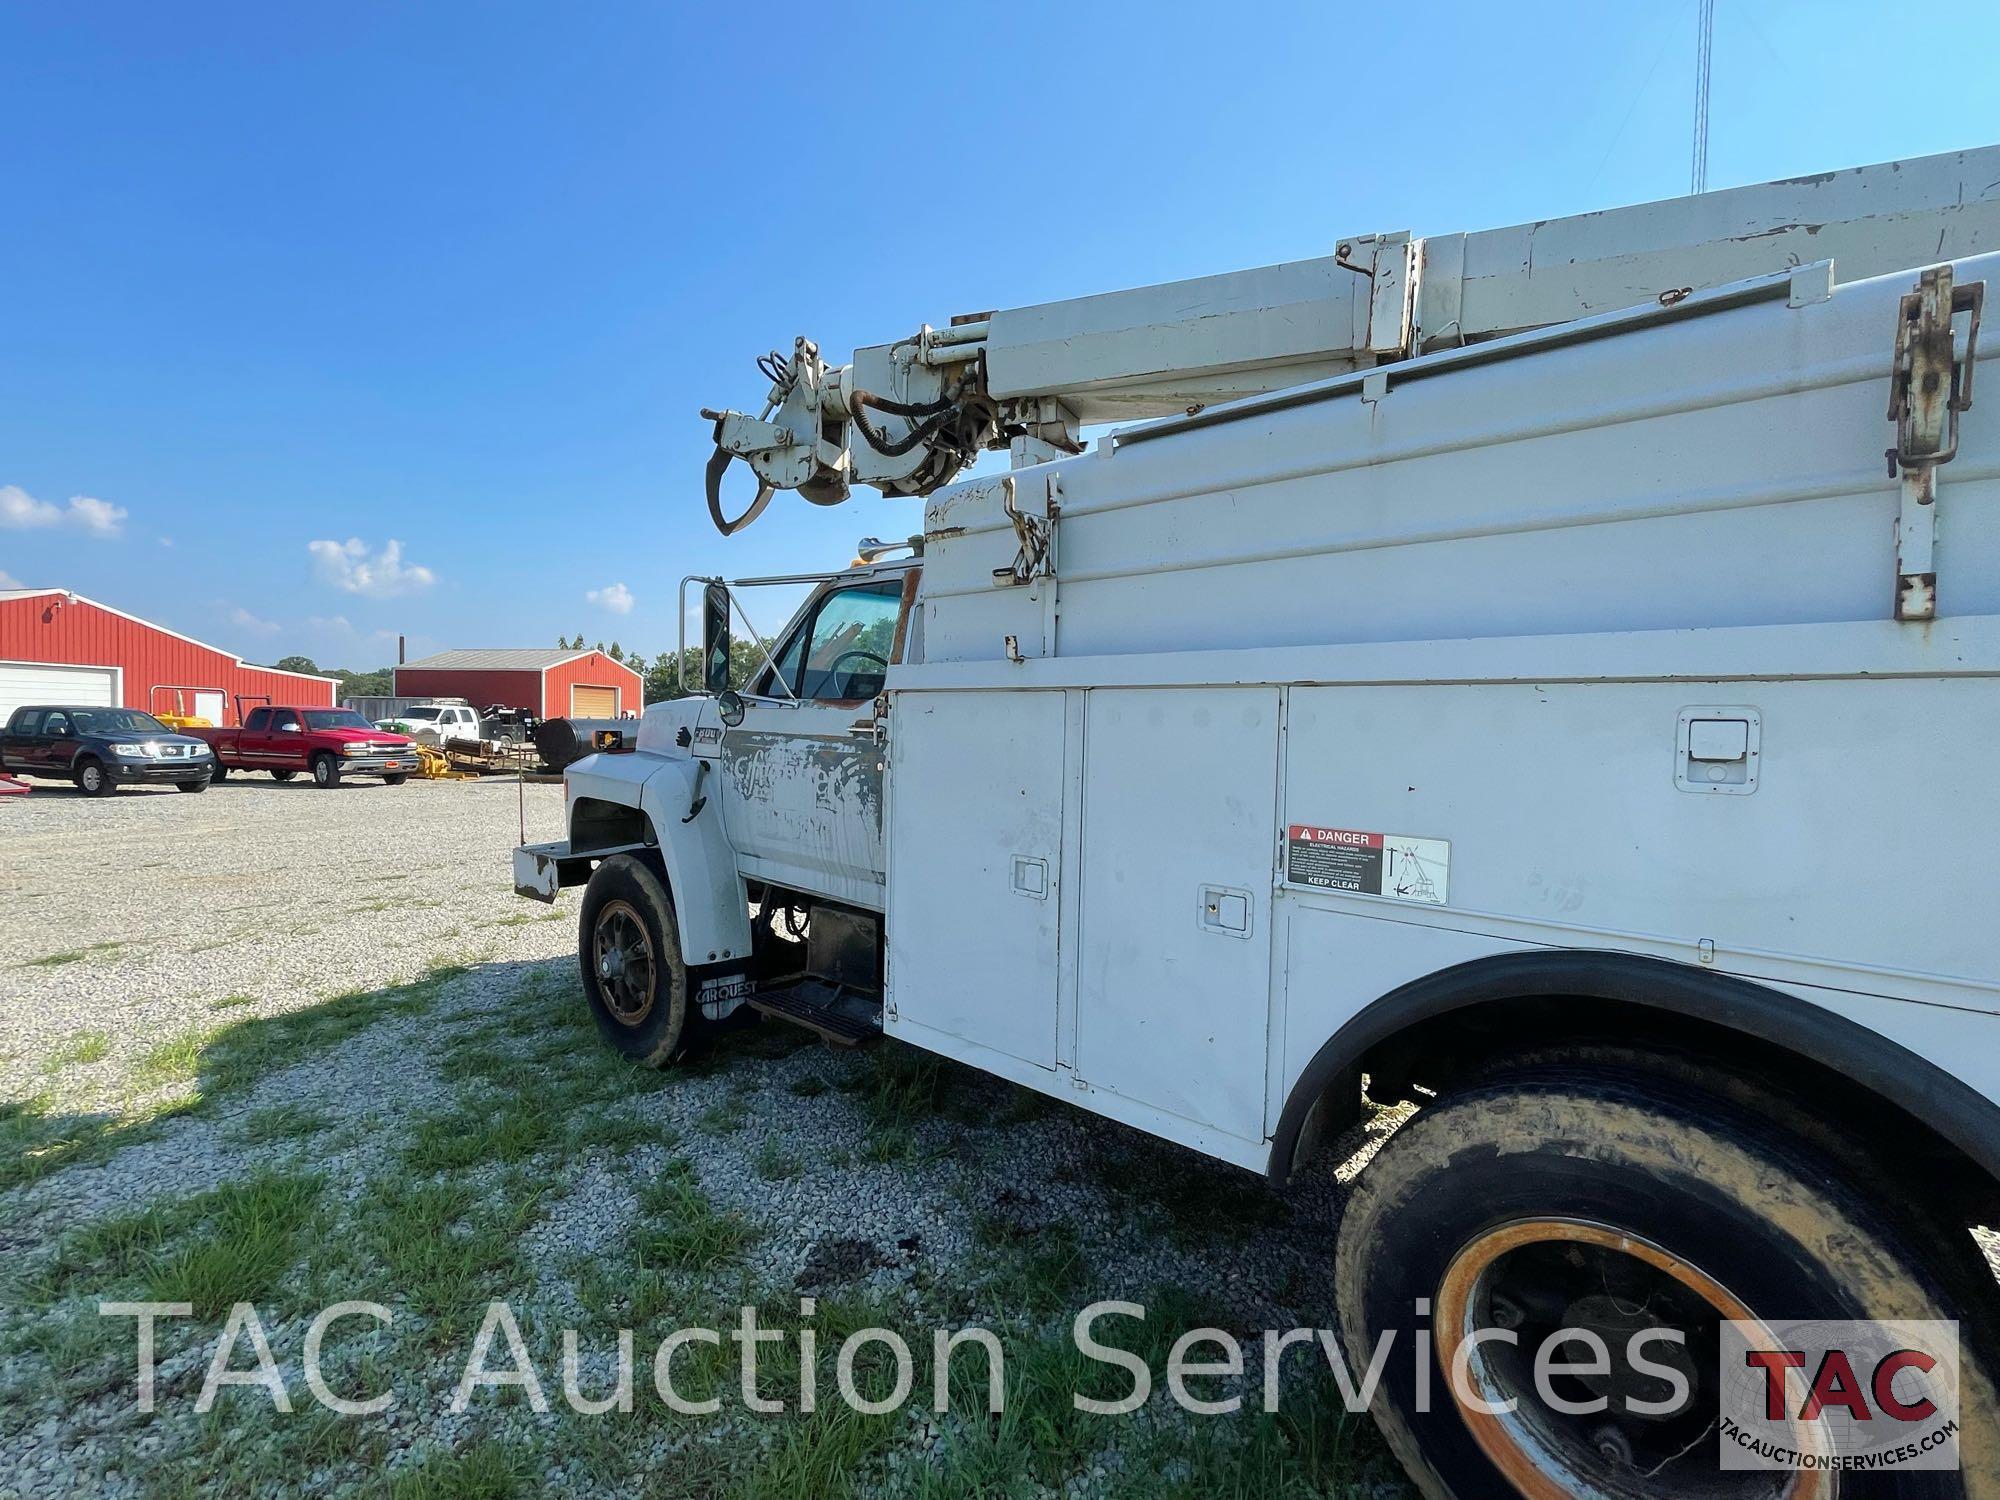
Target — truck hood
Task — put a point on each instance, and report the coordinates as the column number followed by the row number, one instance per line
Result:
column 388, row 739
column 140, row 737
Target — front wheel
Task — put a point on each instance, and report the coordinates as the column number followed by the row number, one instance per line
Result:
column 326, row 771
column 629, row 949
column 93, row 780
column 1568, row 1199
column 218, row 772
column 190, row 786
column 283, row 775
column 395, row 778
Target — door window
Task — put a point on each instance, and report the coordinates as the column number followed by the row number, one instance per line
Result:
column 57, row 723
column 847, row 657
column 283, row 719
column 28, row 722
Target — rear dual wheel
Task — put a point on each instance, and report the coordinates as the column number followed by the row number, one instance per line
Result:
column 628, row 946
column 1586, row 1199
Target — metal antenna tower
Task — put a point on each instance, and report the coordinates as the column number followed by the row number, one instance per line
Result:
column 1704, row 45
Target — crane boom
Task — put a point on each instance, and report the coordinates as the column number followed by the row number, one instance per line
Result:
column 907, row 416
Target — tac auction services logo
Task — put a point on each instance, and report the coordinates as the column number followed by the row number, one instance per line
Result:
column 1822, row 1395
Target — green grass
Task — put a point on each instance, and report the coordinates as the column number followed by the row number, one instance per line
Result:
column 807, row 1086
column 486, row 1470
column 174, row 1060
column 84, row 1047
column 280, row 1122
column 70, row 956
column 773, row 1162
column 250, row 1234
column 681, row 1230
column 725, row 1117
column 230, row 1002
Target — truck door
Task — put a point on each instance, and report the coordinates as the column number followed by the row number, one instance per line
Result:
column 285, row 745
column 1179, row 808
column 27, row 746
column 801, row 777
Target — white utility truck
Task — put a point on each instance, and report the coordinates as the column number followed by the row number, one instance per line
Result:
column 1547, row 675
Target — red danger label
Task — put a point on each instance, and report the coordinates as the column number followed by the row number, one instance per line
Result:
column 1305, row 833
column 1401, row 866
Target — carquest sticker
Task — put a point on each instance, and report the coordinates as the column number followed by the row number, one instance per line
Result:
column 1398, row 865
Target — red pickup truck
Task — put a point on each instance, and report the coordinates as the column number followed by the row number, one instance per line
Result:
column 328, row 743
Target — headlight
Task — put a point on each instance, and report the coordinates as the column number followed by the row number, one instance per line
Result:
column 134, row 752
column 353, row 749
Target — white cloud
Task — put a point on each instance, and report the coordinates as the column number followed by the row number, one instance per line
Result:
column 616, row 598
column 98, row 517
column 9, row 581
column 349, row 565
column 22, row 512
column 244, row 620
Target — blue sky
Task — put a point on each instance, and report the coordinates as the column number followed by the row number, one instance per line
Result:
column 324, row 323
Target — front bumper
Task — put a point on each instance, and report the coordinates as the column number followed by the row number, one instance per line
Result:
column 400, row 763
column 130, row 772
column 540, row 870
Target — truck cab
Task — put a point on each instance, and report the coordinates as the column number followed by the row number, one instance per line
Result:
column 773, row 792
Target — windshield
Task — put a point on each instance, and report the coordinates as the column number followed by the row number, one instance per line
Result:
column 115, row 721
column 335, row 718
column 420, row 711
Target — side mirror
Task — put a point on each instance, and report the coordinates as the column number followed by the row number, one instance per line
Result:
column 715, row 639
column 729, row 704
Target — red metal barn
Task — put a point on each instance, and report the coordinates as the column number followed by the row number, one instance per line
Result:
column 552, row 684
column 59, row 647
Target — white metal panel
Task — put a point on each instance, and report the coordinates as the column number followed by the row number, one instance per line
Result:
column 1867, row 842
column 1719, row 468
column 1179, row 799
column 975, row 895
column 23, row 682
column 209, row 706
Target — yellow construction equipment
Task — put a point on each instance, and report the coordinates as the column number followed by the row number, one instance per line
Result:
column 434, row 765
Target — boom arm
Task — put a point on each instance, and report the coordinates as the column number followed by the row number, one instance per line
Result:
column 906, row 417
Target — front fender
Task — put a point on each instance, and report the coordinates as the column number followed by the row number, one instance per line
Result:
column 710, row 901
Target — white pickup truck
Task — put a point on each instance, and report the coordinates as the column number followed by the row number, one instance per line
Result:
column 434, row 723
column 1580, row 731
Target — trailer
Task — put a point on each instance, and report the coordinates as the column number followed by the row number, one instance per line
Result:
column 1576, row 724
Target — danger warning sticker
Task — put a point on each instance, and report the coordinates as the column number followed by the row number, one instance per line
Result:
column 1397, row 865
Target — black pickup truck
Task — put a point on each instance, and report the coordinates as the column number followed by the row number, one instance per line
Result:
column 102, row 749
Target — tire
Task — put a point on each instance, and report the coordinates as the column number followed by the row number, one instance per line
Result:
column 218, row 772
column 283, row 775
column 1546, row 1188
column 326, row 771
column 629, row 949
column 190, row 786
column 93, row 778
column 395, row 778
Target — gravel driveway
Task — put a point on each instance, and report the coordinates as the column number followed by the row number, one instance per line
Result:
column 290, row 1047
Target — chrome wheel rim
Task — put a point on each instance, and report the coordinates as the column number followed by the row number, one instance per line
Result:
column 1514, row 1276
column 621, row 956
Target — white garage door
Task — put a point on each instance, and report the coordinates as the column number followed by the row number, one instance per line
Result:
column 36, row 682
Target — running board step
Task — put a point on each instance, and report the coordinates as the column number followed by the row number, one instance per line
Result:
column 844, row 1017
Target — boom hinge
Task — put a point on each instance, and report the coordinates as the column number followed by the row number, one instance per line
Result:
column 1930, row 385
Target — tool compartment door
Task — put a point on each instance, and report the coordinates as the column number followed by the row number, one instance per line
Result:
column 1173, row 995
column 975, row 853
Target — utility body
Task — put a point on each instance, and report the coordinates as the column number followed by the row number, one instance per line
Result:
column 1583, row 731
